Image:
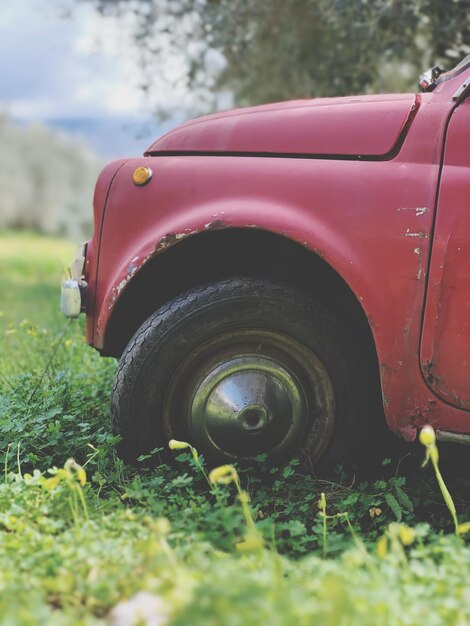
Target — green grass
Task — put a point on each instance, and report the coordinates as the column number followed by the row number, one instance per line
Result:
column 72, row 550
column 31, row 268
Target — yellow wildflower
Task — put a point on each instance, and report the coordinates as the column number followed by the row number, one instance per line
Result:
column 174, row 444
column 223, row 475
column 162, row 526
column 382, row 547
column 427, row 436
column 81, row 475
column 406, row 534
column 51, row 483
column 253, row 542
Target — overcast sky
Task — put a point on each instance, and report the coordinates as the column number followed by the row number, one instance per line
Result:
column 52, row 69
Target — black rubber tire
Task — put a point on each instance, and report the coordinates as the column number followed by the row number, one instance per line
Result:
column 160, row 346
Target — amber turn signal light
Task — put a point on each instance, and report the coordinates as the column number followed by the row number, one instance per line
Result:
column 142, row 175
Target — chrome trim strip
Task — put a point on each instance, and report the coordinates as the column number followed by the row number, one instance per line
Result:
column 78, row 264
column 442, row 435
column 461, row 91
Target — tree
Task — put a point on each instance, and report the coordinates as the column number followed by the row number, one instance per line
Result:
column 267, row 50
column 46, row 180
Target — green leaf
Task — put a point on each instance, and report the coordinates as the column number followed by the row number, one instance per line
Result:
column 394, row 505
column 404, row 500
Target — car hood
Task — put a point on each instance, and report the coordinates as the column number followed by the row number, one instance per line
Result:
column 354, row 126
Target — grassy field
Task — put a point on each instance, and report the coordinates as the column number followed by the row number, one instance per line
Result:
column 30, row 272
column 80, row 538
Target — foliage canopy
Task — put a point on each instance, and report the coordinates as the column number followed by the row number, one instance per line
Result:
column 282, row 49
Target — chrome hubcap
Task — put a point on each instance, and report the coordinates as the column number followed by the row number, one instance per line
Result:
column 248, row 405
column 251, row 391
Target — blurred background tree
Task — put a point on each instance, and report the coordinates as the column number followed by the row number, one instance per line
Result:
column 266, row 50
column 46, row 180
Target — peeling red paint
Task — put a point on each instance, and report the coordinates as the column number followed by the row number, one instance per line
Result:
column 171, row 238
column 419, row 235
column 165, row 242
column 420, row 416
column 216, row 225
column 436, row 381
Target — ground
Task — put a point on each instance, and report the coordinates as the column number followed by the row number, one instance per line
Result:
column 78, row 538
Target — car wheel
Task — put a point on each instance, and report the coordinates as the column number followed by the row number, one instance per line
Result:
column 240, row 368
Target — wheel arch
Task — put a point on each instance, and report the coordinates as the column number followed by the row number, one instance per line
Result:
column 230, row 252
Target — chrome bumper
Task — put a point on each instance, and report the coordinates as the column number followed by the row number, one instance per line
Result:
column 74, row 289
column 73, row 297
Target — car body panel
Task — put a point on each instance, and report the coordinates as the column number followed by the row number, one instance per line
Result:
column 445, row 348
column 361, row 125
column 102, row 189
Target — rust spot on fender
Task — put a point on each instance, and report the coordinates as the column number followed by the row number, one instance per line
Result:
column 422, row 415
column 215, row 225
column 419, row 210
column 132, row 267
column 419, row 235
column 419, row 272
column 165, row 242
column 99, row 327
column 131, row 270
column 171, row 238
column 436, row 382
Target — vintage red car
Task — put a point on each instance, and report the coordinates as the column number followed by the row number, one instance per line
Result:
column 261, row 272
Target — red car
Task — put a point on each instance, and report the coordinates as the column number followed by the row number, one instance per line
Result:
column 259, row 271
